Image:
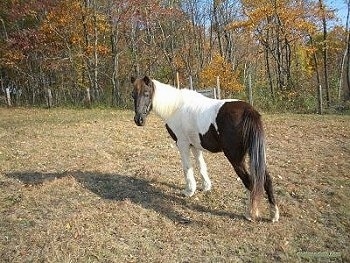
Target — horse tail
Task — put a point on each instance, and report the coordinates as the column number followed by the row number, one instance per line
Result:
column 254, row 143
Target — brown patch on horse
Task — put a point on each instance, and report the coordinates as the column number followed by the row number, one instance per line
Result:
column 210, row 140
column 170, row 131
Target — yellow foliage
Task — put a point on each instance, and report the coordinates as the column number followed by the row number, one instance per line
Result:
column 220, row 68
column 239, row 24
column 302, row 63
column 291, row 16
column 11, row 58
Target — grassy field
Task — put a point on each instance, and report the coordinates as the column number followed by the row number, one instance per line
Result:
column 90, row 186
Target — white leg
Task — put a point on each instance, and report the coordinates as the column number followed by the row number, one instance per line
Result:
column 188, row 169
column 275, row 213
column 198, row 155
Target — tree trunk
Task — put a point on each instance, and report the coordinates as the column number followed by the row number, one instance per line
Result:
column 268, row 72
column 217, row 27
column 116, row 98
column 347, row 75
column 134, row 50
column 288, row 64
column 95, row 58
column 319, row 86
column 4, row 29
column 85, row 21
column 325, row 53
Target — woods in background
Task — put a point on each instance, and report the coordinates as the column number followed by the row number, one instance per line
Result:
column 294, row 54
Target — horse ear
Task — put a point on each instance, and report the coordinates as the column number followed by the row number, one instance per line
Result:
column 147, row 80
column 132, row 79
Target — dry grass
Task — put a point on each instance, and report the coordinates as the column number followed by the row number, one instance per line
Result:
column 90, row 186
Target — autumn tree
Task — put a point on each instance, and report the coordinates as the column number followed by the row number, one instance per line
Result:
column 117, row 13
column 277, row 25
column 86, row 50
column 193, row 50
column 325, row 47
column 218, row 67
column 21, row 55
column 347, row 56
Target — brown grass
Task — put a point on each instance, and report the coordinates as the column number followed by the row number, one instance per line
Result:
column 90, row 186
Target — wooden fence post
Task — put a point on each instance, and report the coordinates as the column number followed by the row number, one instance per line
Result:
column 320, row 99
column 191, row 83
column 177, row 80
column 88, row 97
column 218, row 87
column 8, row 97
column 250, row 89
column 49, row 98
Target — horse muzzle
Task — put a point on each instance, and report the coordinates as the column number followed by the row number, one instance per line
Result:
column 140, row 119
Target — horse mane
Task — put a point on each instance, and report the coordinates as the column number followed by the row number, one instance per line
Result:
column 167, row 99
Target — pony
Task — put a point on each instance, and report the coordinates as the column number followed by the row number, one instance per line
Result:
column 198, row 123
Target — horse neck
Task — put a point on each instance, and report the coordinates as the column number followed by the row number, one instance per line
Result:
column 166, row 99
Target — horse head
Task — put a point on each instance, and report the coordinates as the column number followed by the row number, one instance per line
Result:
column 143, row 90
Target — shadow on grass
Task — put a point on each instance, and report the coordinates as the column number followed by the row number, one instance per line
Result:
column 120, row 187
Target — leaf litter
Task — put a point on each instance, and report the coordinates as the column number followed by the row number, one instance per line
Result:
column 90, row 186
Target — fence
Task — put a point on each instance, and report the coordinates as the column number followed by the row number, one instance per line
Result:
column 214, row 93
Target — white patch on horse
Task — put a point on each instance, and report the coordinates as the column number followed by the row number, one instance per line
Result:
column 186, row 112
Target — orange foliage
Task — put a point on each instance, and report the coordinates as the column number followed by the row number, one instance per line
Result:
column 62, row 26
column 292, row 17
column 220, row 68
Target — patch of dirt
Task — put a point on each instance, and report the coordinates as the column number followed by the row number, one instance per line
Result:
column 91, row 186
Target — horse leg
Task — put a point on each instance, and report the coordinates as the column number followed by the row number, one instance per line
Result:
column 252, row 211
column 274, row 211
column 190, row 188
column 198, row 155
column 237, row 161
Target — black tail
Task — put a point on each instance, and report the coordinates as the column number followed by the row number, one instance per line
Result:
column 254, row 142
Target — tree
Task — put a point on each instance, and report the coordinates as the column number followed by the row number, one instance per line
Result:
column 347, row 57
column 325, row 50
column 278, row 26
column 218, row 67
column 71, row 47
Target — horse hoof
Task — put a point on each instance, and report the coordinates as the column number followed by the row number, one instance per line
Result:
column 274, row 220
column 206, row 187
column 248, row 217
column 252, row 215
column 187, row 193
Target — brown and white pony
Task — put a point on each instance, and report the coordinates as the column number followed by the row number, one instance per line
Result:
column 199, row 123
